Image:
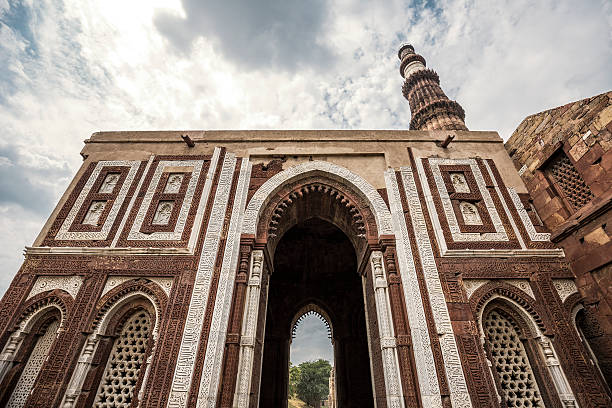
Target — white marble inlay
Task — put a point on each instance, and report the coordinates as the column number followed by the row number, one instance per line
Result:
column 211, row 371
column 458, row 236
column 109, row 183
column 459, row 182
column 520, row 208
column 65, row 234
column 163, row 213
column 470, row 213
column 94, row 212
column 173, row 185
column 565, row 288
column 365, row 189
column 460, row 397
column 472, row 285
column 70, row 284
column 522, row 284
column 183, row 373
column 423, row 355
column 177, row 234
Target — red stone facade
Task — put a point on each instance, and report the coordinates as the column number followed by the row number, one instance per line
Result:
column 564, row 156
column 173, row 274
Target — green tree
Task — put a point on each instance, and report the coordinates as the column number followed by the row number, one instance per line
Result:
column 294, row 379
column 313, row 384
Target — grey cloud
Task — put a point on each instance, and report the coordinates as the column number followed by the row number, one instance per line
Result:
column 18, row 183
column 284, row 34
column 311, row 342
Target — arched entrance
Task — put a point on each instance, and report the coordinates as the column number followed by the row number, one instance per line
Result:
column 318, row 234
column 315, row 263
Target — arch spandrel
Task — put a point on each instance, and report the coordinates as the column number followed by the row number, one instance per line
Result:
column 356, row 183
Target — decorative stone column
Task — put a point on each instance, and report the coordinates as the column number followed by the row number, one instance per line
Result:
column 249, row 331
column 10, row 351
column 431, row 109
column 80, row 372
column 561, row 384
column 387, row 337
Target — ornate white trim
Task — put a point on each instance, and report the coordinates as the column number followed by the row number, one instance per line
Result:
column 452, row 364
column 472, row 285
column 128, row 211
column 65, row 234
column 70, row 284
column 113, row 281
column 522, row 284
column 13, row 344
column 176, row 235
column 210, row 176
column 93, row 340
column 105, row 251
column 423, row 355
column 248, row 332
column 388, row 348
column 211, row 371
column 369, row 193
column 500, row 232
column 190, row 341
column 565, row 288
column 531, row 231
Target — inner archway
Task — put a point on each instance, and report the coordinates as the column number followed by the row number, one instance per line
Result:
column 316, row 263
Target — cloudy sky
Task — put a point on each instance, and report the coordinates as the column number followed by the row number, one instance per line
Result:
column 311, row 342
column 72, row 67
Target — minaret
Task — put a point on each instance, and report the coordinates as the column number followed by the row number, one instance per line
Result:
column 431, row 109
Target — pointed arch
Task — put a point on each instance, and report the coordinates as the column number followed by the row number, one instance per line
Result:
column 312, row 309
column 29, row 345
column 124, row 333
column 332, row 171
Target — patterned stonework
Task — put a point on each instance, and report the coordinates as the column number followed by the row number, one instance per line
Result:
column 369, row 193
column 423, row 355
column 520, row 208
column 124, row 363
column 193, row 166
column 183, row 373
column 114, row 281
column 522, row 284
column 70, row 284
column 450, row 353
column 472, row 285
column 565, row 288
column 500, row 232
column 249, row 328
column 510, row 362
column 65, row 234
column 387, row 336
column 211, row 373
column 33, row 366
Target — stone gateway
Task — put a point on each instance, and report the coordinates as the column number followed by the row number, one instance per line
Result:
column 174, row 269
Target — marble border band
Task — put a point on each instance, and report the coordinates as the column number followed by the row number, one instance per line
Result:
column 211, row 372
column 423, row 355
column 183, row 373
column 460, row 397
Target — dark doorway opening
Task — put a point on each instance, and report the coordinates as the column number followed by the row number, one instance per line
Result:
column 315, row 263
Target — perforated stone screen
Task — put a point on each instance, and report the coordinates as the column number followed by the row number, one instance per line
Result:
column 569, row 180
column 33, row 366
column 510, row 362
column 124, row 363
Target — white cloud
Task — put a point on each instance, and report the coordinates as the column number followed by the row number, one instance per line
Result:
column 74, row 68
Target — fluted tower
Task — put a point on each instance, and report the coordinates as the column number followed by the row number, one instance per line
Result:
column 431, row 109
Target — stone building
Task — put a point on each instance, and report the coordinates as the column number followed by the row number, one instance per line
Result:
column 173, row 269
column 564, row 156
